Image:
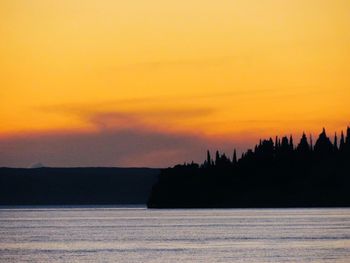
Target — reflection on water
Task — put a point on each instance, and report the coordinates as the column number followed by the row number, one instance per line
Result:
column 97, row 234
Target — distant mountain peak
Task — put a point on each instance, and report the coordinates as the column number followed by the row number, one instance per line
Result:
column 37, row 165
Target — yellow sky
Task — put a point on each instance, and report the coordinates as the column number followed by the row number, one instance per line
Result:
column 216, row 68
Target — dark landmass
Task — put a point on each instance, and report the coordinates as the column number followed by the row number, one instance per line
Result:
column 76, row 186
column 275, row 174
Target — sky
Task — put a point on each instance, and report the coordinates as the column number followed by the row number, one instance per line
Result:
column 155, row 83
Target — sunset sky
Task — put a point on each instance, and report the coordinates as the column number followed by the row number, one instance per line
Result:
column 154, row 83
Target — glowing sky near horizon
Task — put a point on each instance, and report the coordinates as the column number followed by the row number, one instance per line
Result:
column 219, row 72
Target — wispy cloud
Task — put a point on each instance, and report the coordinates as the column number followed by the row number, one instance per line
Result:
column 109, row 116
column 126, row 147
column 120, row 138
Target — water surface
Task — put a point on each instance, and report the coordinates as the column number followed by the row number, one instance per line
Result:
column 106, row 234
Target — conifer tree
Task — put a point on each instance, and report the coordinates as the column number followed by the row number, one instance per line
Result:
column 342, row 142
column 303, row 146
column 234, row 157
column 208, row 158
column 217, row 158
column 276, row 141
column 347, row 139
column 291, row 145
column 323, row 145
column 335, row 144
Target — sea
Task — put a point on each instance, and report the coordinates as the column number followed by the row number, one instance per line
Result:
column 137, row 234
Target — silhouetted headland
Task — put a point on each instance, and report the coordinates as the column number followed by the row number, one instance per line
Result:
column 276, row 173
column 76, row 186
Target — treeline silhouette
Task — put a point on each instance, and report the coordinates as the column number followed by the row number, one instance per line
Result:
column 277, row 173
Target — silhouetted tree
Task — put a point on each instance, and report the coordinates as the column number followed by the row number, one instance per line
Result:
column 291, row 144
column 342, row 142
column 303, row 147
column 209, row 161
column 323, row 146
column 276, row 142
column 217, row 158
column 347, row 140
column 234, row 157
column 347, row 136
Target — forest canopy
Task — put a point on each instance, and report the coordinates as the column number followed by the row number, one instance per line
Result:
column 276, row 173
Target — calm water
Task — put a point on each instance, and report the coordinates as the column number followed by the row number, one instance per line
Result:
column 140, row 235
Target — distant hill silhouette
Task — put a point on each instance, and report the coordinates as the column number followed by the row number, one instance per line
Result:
column 76, row 186
column 275, row 174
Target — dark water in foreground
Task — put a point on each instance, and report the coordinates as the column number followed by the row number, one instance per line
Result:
column 140, row 235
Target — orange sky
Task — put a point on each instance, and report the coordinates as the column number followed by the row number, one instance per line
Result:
column 238, row 69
